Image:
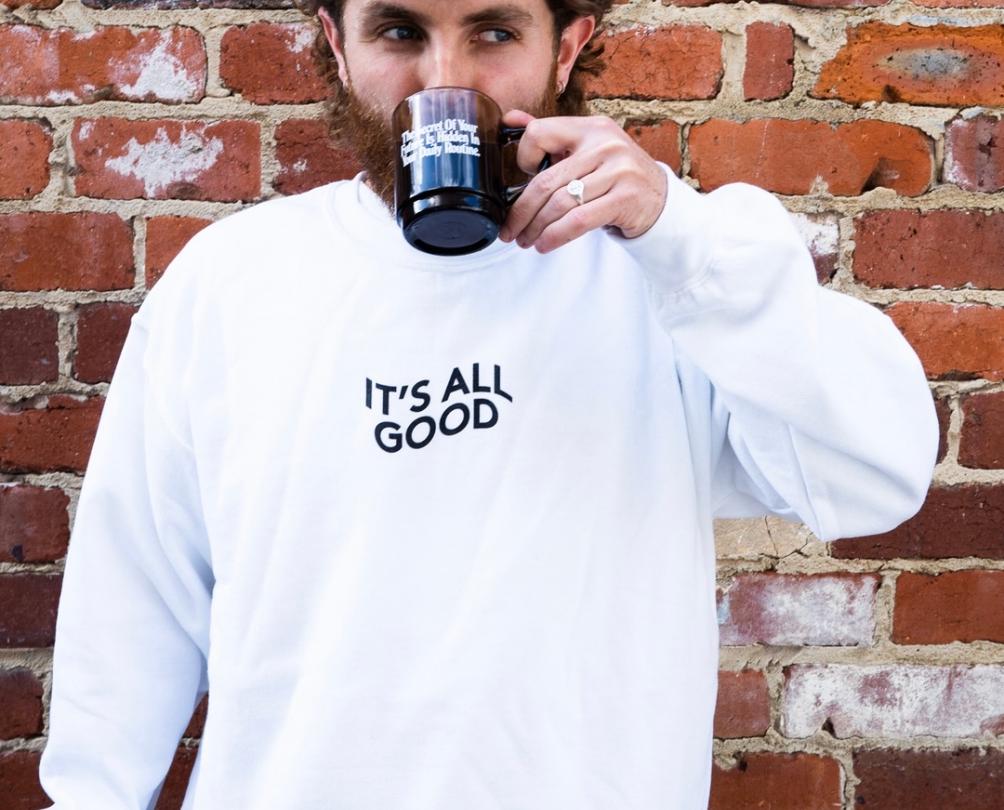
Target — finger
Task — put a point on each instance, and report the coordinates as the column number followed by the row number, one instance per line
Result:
column 580, row 220
column 517, row 118
column 561, row 202
column 541, row 188
column 549, row 136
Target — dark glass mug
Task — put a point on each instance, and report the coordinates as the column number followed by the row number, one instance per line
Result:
column 450, row 195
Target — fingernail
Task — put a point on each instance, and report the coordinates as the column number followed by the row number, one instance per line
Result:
column 504, row 234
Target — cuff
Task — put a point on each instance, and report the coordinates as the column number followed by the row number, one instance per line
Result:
column 677, row 247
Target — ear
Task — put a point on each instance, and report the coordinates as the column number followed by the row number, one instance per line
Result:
column 335, row 41
column 573, row 40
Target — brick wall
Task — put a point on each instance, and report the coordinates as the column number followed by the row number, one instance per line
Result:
column 866, row 672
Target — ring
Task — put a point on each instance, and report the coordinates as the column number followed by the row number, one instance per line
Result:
column 575, row 188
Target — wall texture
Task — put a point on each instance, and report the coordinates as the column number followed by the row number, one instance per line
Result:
column 867, row 672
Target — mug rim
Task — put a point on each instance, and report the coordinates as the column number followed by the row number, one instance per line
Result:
column 407, row 99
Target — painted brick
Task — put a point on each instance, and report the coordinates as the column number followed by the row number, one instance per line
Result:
column 28, row 609
column 111, row 63
column 947, row 607
column 101, row 332
column 43, row 251
column 30, row 354
column 822, row 236
column 20, row 703
column 938, row 64
column 797, row 609
column 55, row 434
column 777, row 782
column 802, row 3
column 161, row 159
column 661, row 140
column 954, row 341
column 34, row 523
column 269, row 63
column 943, row 249
column 805, row 157
column 743, row 705
column 30, row 3
column 959, row 521
column 893, row 701
column 19, row 785
column 974, row 153
column 179, row 4
column 307, row 157
column 165, row 237
column 673, row 62
column 967, row 778
column 770, row 61
column 24, row 159
column 981, row 444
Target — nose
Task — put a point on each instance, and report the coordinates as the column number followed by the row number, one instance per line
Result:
column 447, row 66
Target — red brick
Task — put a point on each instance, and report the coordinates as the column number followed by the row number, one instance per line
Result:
column 982, row 441
column 75, row 251
column 674, row 62
column 743, row 707
column 52, row 435
column 176, row 782
column 777, row 782
column 28, row 609
column 929, row 780
column 30, row 3
column 798, row 609
column 803, row 157
column 101, row 332
column 895, row 700
column 20, row 703
column 165, row 236
column 30, row 354
column 974, row 153
column 19, row 785
column 121, row 158
column 34, row 523
column 944, row 417
column 770, row 61
column 197, row 723
column 271, row 63
column 954, row 341
column 938, row 64
column 953, row 606
column 63, row 66
column 945, row 249
column 307, row 157
column 661, row 140
column 24, row 159
column 805, row 3
column 959, row 521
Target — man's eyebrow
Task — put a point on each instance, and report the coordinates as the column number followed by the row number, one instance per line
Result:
column 502, row 13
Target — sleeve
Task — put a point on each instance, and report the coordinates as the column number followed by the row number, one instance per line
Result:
column 820, row 410
column 131, row 637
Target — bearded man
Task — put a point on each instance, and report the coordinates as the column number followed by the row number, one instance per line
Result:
column 435, row 532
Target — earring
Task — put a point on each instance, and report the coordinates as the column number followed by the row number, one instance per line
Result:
column 561, row 87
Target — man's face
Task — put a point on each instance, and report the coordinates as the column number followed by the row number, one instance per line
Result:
column 390, row 49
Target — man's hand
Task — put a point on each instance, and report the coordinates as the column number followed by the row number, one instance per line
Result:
column 624, row 187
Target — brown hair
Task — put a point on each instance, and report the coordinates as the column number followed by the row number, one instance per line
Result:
column 570, row 102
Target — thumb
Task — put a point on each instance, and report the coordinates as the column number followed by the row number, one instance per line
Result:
column 517, row 118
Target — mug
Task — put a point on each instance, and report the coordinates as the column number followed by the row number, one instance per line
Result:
column 450, row 196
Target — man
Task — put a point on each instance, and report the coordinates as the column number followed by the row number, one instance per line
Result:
column 436, row 532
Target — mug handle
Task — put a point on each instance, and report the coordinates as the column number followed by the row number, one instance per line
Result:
column 509, row 136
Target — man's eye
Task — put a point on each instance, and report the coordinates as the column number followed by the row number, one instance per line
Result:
column 399, row 33
column 496, row 35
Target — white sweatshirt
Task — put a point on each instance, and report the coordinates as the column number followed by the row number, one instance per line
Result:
column 436, row 533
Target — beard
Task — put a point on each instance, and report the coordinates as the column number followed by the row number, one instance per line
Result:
column 365, row 132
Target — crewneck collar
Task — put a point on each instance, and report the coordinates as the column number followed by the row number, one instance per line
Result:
column 368, row 222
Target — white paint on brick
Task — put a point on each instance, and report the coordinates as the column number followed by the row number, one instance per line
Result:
column 162, row 162
column 158, row 73
column 821, row 235
column 85, row 130
column 303, row 37
column 797, row 610
column 300, row 165
column 894, row 701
